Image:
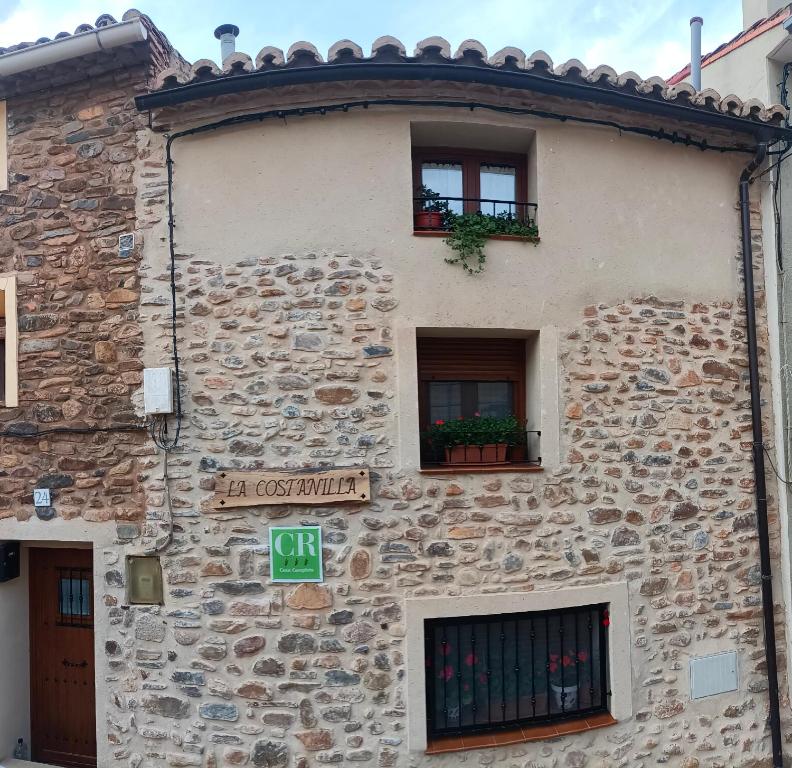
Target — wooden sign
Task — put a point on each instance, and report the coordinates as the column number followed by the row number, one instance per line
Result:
column 332, row 486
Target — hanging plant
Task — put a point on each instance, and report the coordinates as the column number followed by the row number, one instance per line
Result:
column 469, row 233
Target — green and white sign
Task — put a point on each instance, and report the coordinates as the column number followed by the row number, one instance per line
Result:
column 296, row 554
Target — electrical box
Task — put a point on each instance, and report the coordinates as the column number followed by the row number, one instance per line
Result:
column 157, row 391
column 144, row 580
column 711, row 675
column 9, row 560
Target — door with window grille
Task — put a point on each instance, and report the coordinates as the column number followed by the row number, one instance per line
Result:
column 62, row 692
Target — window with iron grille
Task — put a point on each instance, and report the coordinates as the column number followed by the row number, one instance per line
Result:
column 75, row 597
column 485, row 673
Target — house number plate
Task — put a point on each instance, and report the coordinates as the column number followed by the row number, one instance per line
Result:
column 41, row 497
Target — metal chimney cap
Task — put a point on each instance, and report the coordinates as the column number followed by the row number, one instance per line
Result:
column 696, row 19
column 225, row 29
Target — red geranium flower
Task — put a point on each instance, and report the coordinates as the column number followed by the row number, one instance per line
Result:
column 447, row 673
column 439, row 423
column 471, row 659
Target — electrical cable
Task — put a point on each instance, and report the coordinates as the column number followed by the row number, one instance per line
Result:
column 786, row 482
column 660, row 134
column 72, row 431
column 159, row 426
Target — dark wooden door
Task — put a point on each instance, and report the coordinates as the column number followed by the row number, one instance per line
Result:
column 62, row 693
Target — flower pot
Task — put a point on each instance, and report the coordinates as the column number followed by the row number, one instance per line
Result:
column 428, row 220
column 494, row 453
column 565, row 697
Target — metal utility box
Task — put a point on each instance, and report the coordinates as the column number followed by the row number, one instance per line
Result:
column 9, row 560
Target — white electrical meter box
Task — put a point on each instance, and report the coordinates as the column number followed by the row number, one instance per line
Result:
column 711, row 675
column 157, row 391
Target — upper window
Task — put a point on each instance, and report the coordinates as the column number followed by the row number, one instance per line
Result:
column 475, row 386
column 8, row 342
column 469, row 181
column 497, row 672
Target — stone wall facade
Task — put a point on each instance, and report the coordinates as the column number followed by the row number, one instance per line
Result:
column 71, row 194
column 289, row 360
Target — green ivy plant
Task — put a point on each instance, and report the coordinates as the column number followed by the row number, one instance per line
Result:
column 469, row 233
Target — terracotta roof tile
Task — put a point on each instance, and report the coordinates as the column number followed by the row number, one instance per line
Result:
column 436, row 50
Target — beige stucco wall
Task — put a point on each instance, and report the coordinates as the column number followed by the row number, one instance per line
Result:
column 344, row 182
column 744, row 71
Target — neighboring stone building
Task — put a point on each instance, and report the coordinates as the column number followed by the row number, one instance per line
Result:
column 317, row 325
column 70, row 286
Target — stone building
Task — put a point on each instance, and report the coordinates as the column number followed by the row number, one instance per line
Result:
column 72, row 353
column 592, row 598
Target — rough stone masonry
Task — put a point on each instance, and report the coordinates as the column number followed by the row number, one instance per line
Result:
column 71, row 195
column 289, row 360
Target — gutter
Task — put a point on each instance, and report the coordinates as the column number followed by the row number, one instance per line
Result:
column 72, row 47
column 413, row 71
column 758, row 448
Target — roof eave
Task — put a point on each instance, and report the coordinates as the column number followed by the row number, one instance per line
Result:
column 74, row 46
column 528, row 81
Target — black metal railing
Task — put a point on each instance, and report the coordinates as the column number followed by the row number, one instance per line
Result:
column 443, row 210
column 484, row 673
column 527, row 451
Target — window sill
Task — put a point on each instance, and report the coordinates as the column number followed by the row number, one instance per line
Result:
column 472, row 469
column 444, row 233
column 518, row 735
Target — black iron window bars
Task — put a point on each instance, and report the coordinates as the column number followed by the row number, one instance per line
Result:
column 75, row 597
column 486, row 673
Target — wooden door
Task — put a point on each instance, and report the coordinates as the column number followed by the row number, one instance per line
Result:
column 62, row 693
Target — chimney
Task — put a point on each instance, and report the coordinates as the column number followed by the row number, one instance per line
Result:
column 695, row 51
column 226, row 34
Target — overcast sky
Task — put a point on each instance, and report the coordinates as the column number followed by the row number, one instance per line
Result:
column 650, row 38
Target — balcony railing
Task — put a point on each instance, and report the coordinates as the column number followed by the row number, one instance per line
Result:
column 436, row 213
column 527, row 452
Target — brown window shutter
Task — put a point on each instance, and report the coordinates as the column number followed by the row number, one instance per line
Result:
column 471, row 359
column 457, row 359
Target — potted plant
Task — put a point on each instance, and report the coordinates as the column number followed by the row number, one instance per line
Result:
column 567, row 670
column 434, row 213
column 477, row 440
column 469, row 233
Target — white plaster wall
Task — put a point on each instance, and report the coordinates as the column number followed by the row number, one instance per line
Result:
column 15, row 653
column 606, row 234
column 744, row 71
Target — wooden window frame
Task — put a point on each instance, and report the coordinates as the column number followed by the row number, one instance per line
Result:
column 462, row 372
column 471, row 161
column 9, row 327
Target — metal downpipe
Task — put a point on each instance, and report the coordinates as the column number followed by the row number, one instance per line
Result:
column 768, row 616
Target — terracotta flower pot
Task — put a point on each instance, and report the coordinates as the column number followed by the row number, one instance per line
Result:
column 428, row 220
column 494, row 453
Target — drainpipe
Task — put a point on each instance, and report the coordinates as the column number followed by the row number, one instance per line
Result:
column 774, row 716
column 695, row 51
column 94, row 41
